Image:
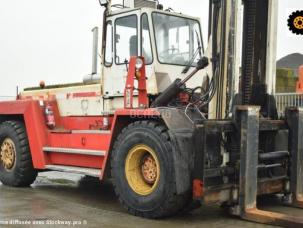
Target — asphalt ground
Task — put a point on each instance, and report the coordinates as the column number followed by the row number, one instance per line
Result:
column 66, row 200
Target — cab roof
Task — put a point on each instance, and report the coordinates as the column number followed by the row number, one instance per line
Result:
column 150, row 10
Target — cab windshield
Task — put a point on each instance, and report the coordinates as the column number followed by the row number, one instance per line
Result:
column 177, row 39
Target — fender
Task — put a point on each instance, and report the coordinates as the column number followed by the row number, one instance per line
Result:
column 33, row 117
column 182, row 134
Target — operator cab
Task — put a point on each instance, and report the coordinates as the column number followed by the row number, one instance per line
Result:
column 171, row 44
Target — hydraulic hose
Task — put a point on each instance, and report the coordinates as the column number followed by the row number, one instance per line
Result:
column 177, row 86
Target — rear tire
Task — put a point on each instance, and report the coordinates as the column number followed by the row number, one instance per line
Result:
column 152, row 196
column 16, row 167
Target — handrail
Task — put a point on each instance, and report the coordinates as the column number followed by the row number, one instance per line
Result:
column 284, row 100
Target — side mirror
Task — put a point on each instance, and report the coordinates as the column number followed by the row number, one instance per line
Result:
column 103, row 2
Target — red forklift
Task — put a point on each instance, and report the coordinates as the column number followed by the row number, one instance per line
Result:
column 171, row 124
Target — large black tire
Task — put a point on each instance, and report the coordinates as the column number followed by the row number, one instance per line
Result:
column 22, row 173
column 163, row 200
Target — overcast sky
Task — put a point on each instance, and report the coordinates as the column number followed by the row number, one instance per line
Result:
column 51, row 39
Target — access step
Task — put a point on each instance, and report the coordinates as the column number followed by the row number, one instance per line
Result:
column 78, row 170
column 94, row 132
column 97, row 132
column 99, row 153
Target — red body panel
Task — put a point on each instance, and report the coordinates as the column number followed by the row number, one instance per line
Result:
column 35, row 127
column 76, row 160
column 83, row 122
column 80, row 141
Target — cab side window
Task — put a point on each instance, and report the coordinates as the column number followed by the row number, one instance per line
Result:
column 109, row 44
column 126, row 38
column 146, row 48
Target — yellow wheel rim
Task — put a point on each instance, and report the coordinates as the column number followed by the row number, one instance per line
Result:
column 8, row 154
column 298, row 22
column 142, row 170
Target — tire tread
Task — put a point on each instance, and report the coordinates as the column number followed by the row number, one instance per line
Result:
column 25, row 174
column 175, row 202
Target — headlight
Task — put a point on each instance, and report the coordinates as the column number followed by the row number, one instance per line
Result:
column 139, row 63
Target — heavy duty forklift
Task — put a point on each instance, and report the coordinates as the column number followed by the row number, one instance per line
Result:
column 170, row 123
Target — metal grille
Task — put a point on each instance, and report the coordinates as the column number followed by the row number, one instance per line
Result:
column 145, row 3
column 285, row 100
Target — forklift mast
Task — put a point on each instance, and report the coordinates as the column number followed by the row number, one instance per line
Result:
column 267, row 151
column 243, row 35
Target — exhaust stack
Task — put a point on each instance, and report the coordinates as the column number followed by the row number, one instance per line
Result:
column 94, row 77
column 95, row 50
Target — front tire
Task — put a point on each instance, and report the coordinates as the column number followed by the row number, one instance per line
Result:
column 16, row 167
column 143, row 171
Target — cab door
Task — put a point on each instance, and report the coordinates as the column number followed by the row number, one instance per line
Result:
column 125, row 37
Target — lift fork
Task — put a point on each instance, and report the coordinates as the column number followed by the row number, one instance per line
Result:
column 248, row 182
